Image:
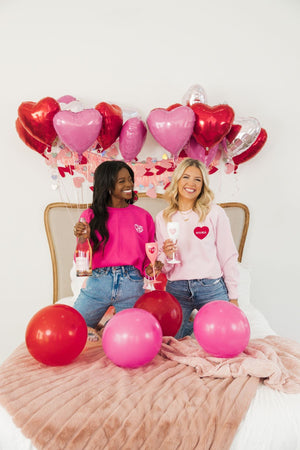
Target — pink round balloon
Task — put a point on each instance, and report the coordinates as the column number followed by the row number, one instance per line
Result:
column 172, row 129
column 66, row 99
column 78, row 130
column 132, row 338
column 132, row 138
column 222, row 329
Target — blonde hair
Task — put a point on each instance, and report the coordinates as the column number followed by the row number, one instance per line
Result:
column 203, row 202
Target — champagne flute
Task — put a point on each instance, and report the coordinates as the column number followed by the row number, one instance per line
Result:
column 152, row 251
column 173, row 232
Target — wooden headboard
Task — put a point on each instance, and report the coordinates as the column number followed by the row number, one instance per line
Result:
column 59, row 219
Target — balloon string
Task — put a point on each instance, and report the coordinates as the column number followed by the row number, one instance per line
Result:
column 236, row 183
column 66, row 202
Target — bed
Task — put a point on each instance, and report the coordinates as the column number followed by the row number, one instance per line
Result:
column 183, row 399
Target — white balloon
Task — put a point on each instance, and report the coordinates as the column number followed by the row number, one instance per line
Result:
column 74, row 106
column 129, row 114
column 250, row 129
column 195, row 94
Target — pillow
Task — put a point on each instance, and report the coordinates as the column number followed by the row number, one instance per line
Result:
column 244, row 285
column 76, row 282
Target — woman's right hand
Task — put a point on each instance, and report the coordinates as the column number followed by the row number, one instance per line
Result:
column 82, row 230
column 169, row 248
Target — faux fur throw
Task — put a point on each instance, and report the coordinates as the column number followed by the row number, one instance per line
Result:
column 183, row 399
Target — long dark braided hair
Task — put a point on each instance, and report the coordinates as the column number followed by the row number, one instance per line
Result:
column 105, row 178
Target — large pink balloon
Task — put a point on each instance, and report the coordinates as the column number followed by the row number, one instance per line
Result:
column 171, row 129
column 78, row 130
column 222, row 329
column 132, row 338
column 132, row 138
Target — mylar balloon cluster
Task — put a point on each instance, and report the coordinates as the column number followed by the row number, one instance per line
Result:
column 77, row 128
column 75, row 140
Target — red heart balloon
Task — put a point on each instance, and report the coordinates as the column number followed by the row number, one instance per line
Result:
column 212, row 123
column 253, row 149
column 29, row 140
column 175, row 105
column 234, row 131
column 37, row 118
column 112, row 121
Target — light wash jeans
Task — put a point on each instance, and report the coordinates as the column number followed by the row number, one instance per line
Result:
column 118, row 286
column 193, row 294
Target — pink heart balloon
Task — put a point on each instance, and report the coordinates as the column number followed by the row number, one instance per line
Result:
column 66, row 99
column 132, row 138
column 196, row 151
column 78, row 130
column 171, row 129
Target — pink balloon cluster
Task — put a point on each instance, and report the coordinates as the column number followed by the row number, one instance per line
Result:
column 206, row 132
column 203, row 132
column 39, row 124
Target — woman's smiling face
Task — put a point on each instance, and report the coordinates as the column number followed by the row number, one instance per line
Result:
column 123, row 187
column 190, row 184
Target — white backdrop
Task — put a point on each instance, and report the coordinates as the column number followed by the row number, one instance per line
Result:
column 144, row 55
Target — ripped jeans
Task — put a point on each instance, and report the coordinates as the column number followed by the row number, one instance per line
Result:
column 119, row 286
column 193, row 294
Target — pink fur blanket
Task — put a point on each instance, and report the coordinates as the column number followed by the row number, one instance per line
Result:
column 183, row 399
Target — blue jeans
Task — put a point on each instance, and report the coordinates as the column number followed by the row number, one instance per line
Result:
column 193, row 294
column 118, row 286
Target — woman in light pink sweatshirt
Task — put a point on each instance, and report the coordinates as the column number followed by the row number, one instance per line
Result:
column 207, row 269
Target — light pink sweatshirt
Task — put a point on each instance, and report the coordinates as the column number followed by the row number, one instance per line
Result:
column 129, row 229
column 206, row 249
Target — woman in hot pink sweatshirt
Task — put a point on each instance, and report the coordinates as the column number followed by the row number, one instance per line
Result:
column 118, row 231
column 207, row 269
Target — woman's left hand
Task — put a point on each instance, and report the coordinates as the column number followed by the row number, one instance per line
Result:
column 158, row 267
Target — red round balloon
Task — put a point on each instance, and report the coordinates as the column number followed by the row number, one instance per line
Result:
column 37, row 118
column 56, row 335
column 161, row 282
column 111, row 124
column 165, row 308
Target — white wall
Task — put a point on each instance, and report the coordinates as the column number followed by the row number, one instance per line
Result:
column 146, row 55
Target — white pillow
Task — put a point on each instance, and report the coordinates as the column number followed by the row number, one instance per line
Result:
column 76, row 282
column 244, row 285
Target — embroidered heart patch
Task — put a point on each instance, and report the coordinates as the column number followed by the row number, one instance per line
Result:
column 138, row 228
column 201, row 232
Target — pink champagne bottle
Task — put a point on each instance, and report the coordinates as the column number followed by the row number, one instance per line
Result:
column 83, row 256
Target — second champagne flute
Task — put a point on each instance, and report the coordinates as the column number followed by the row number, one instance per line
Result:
column 173, row 232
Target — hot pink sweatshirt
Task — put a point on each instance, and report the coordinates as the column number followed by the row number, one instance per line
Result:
column 206, row 249
column 129, row 229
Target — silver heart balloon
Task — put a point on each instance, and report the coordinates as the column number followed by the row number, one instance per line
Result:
column 250, row 129
column 195, row 94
